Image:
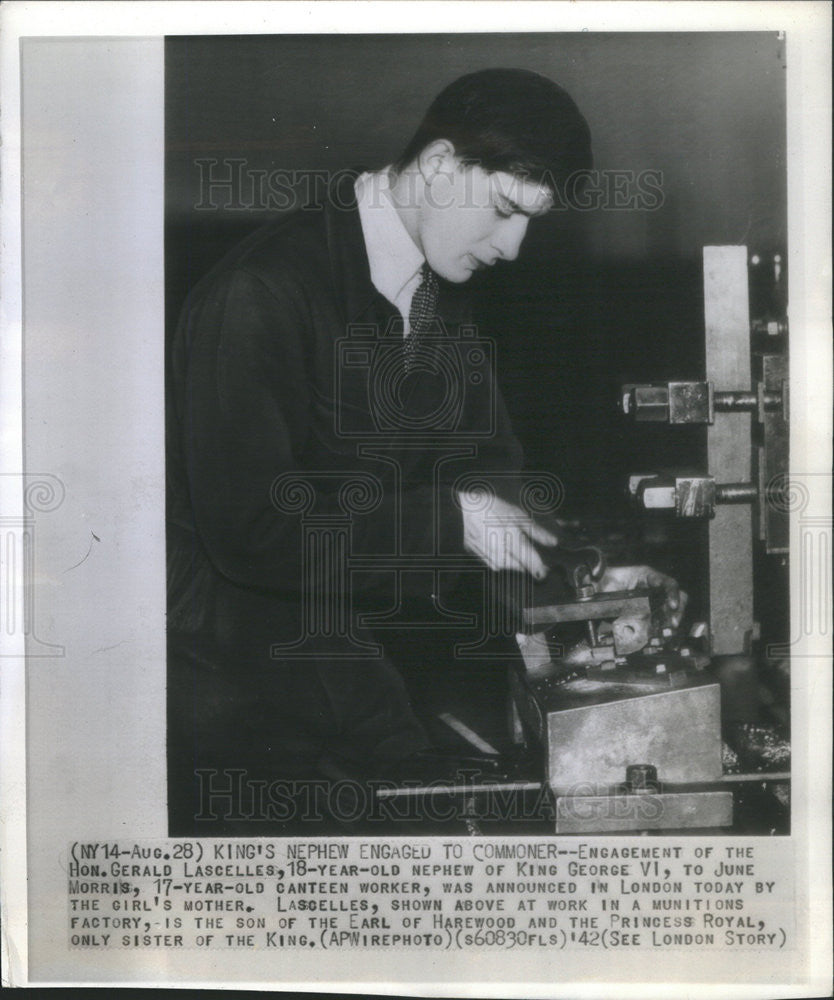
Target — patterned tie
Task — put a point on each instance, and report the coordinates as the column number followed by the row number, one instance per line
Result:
column 422, row 314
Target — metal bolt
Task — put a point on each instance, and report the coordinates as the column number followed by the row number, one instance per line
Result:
column 641, row 778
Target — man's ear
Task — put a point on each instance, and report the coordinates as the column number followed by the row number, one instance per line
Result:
column 436, row 158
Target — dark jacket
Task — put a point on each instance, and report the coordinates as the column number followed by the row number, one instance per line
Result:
column 284, row 366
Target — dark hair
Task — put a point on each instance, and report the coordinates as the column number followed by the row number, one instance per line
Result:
column 511, row 120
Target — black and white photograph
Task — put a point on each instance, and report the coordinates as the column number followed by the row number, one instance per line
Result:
column 462, row 555
column 417, row 497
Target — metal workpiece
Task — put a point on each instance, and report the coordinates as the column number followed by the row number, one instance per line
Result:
column 631, row 633
column 629, row 700
column 544, row 611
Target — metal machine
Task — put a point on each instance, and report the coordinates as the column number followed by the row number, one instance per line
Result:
column 743, row 403
column 628, row 717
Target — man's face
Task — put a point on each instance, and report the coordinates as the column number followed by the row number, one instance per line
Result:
column 470, row 218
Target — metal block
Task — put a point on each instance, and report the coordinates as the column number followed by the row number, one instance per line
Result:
column 678, row 731
column 771, row 371
column 651, row 403
column 727, row 327
column 690, row 403
column 694, row 496
column 654, row 811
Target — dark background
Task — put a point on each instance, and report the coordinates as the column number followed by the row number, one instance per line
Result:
column 596, row 297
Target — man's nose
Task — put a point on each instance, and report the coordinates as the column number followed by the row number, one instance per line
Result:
column 509, row 235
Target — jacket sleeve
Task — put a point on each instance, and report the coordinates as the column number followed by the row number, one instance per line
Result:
column 246, row 418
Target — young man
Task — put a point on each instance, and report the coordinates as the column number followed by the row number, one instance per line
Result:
column 327, row 403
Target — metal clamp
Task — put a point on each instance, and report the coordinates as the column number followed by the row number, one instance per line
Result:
column 696, row 402
column 688, row 495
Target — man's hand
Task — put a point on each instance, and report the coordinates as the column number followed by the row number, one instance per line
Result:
column 508, row 540
column 632, row 577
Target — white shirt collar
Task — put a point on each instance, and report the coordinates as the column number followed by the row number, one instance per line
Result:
column 393, row 256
